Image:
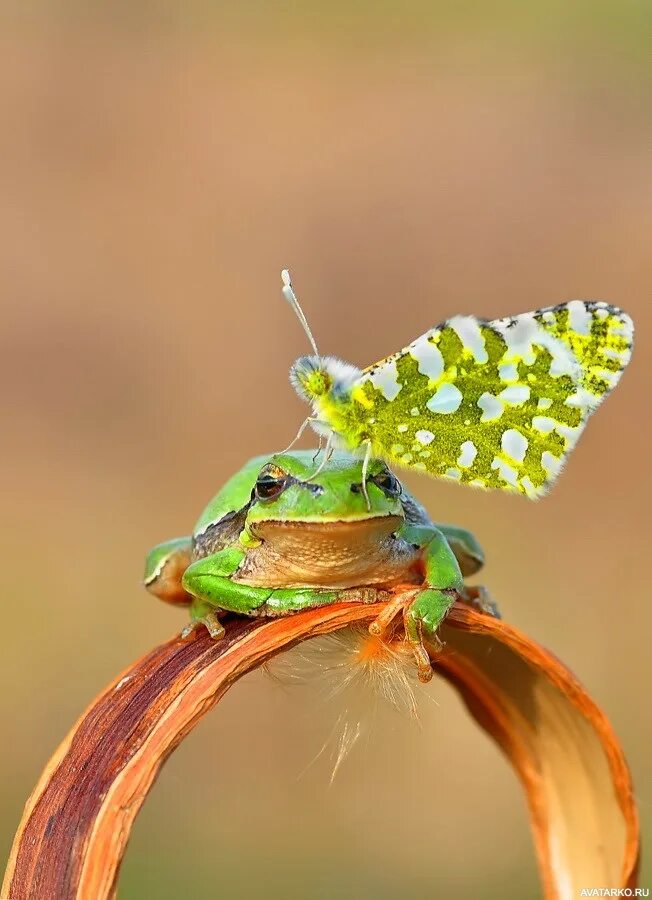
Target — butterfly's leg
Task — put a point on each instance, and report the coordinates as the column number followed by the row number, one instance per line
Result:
column 328, row 452
column 320, row 445
column 302, row 428
column 365, row 469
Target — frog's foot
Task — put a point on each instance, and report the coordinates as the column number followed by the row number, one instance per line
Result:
column 479, row 598
column 205, row 616
column 423, row 611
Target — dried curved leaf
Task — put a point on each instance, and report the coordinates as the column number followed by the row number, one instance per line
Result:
column 77, row 822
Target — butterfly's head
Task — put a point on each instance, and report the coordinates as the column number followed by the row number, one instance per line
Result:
column 310, row 377
column 314, row 377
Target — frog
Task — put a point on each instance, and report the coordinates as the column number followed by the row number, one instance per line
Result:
column 284, row 535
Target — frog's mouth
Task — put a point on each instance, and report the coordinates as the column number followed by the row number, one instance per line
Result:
column 375, row 526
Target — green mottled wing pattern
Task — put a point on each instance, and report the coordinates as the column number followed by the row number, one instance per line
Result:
column 497, row 404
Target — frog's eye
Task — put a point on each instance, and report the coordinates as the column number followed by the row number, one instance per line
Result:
column 388, row 483
column 268, row 487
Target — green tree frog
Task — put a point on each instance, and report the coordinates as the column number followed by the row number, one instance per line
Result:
column 284, row 535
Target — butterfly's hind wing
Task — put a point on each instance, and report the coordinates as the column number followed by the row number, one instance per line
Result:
column 497, row 404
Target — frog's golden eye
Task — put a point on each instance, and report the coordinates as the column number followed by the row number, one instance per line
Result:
column 388, row 483
column 268, row 487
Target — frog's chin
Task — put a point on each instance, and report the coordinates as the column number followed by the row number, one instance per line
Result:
column 334, row 553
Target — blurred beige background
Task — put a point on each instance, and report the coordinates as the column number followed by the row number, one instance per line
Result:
column 159, row 164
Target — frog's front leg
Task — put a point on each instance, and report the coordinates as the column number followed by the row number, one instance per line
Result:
column 425, row 609
column 210, row 582
column 469, row 556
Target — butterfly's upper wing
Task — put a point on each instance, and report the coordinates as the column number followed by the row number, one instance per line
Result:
column 496, row 404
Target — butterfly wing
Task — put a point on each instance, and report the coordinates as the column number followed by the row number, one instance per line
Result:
column 497, row 404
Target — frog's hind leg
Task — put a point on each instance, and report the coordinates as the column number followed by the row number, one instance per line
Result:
column 164, row 568
column 478, row 597
column 203, row 614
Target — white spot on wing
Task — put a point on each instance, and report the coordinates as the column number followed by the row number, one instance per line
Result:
column 518, row 334
column 402, row 428
column 569, row 433
column 610, row 353
column 582, row 399
column 508, row 371
column 624, row 328
column 527, row 332
column 453, row 473
column 446, row 399
column 468, row 453
column 544, row 403
column 544, row 424
column 491, row 407
column 611, row 378
column 429, row 359
column 385, row 378
column 515, row 393
column 551, row 464
column 467, row 328
column 528, row 487
column 514, row 444
column 579, row 317
column 507, row 473
column 425, row 437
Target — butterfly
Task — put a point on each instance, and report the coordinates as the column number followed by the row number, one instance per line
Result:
column 494, row 404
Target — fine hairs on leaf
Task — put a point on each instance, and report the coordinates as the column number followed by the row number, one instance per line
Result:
column 355, row 674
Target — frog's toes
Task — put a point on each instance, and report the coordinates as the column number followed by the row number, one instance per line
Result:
column 479, row 598
column 209, row 620
column 422, row 619
column 423, row 611
column 389, row 612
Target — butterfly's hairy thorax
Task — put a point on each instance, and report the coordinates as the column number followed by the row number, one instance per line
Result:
column 326, row 383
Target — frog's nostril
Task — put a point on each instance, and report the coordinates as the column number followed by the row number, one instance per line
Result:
column 356, row 488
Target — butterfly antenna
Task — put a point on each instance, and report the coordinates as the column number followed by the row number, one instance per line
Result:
column 291, row 297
